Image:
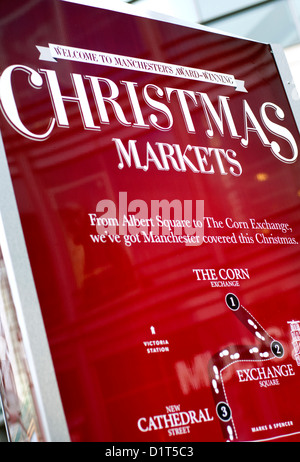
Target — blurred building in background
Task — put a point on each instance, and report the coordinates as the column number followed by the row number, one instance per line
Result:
column 268, row 21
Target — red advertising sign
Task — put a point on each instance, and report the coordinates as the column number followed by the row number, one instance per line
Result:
column 156, row 172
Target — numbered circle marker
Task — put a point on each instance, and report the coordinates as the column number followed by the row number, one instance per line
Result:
column 232, row 302
column 277, row 349
column 223, row 411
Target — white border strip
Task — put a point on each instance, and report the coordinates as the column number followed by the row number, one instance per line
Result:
column 275, row 437
column 28, row 311
column 287, row 81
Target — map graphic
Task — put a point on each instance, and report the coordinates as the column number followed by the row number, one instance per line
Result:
column 268, row 349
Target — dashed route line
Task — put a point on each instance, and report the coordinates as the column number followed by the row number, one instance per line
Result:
column 268, row 349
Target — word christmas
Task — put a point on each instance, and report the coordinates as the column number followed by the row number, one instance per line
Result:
column 151, row 106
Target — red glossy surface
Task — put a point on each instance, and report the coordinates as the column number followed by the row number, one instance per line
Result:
column 100, row 301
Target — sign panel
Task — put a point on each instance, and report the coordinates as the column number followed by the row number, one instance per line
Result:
column 156, row 172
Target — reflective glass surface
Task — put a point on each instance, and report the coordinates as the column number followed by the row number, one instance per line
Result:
column 271, row 23
column 188, row 10
column 295, row 6
column 215, row 8
column 274, row 22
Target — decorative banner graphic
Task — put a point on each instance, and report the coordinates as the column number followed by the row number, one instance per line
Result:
column 59, row 52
